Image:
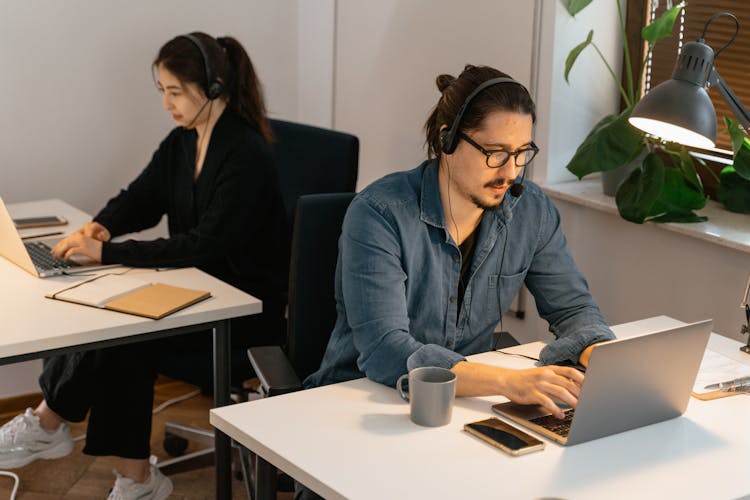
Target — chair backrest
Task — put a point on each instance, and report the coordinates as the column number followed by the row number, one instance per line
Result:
column 312, row 307
column 313, row 160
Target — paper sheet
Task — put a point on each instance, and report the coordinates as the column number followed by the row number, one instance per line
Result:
column 104, row 289
column 716, row 368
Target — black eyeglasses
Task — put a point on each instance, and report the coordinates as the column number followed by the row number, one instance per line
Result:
column 499, row 157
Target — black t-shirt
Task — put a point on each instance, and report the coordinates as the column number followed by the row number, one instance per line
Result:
column 467, row 254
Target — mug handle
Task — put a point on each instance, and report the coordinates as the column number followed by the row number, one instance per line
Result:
column 400, row 387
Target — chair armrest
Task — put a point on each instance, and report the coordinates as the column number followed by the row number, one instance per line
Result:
column 274, row 371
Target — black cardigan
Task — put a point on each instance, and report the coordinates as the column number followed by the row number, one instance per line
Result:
column 229, row 222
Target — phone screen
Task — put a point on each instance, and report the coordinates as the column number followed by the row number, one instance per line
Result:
column 503, row 435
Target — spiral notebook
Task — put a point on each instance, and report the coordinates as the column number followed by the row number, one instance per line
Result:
column 131, row 295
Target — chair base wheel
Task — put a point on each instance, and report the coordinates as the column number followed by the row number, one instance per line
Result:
column 175, row 446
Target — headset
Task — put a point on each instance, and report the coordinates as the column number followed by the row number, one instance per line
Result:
column 213, row 86
column 449, row 137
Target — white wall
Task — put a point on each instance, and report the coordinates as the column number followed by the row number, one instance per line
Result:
column 637, row 271
column 80, row 113
column 388, row 54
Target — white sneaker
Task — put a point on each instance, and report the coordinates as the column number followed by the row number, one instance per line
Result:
column 22, row 440
column 157, row 487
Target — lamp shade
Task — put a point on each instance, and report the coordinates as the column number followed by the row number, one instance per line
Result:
column 677, row 111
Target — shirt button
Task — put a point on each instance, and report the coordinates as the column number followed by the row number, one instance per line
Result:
column 452, row 299
column 455, row 257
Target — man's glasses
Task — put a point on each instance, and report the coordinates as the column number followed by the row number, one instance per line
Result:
column 499, row 157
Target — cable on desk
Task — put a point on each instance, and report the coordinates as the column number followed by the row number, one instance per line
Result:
column 516, row 354
column 54, row 295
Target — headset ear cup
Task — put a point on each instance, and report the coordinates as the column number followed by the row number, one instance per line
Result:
column 215, row 89
column 445, row 141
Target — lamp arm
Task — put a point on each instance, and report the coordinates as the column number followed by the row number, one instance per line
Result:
column 740, row 112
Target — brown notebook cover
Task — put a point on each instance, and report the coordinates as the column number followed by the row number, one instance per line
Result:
column 157, row 300
column 131, row 296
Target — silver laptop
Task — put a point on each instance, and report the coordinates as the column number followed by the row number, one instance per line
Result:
column 629, row 383
column 33, row 256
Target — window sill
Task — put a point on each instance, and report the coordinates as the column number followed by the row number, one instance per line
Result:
column 723, row 228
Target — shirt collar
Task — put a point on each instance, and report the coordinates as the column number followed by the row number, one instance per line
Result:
column 432, row 206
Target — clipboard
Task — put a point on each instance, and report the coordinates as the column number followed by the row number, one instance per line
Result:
column 131, row 296
column 716, row 367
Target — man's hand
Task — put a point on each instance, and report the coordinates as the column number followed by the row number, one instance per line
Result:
column 544, row 386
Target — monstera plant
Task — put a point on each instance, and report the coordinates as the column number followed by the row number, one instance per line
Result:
column 664, row 185
column 734, row 184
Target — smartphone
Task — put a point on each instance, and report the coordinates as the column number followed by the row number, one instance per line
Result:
column 504, row 436
column 44, row 221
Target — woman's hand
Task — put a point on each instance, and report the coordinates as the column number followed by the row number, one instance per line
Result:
column 96, row 231
column 86, row 242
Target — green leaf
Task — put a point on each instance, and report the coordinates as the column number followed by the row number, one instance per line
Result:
column 662, row 25
column 638, row 193
column 742, row 159
column 735, row 133
column 573, row 55
column 677, row 199
column 576, row 6
column 687, row 167
column 733, row 191
column 612, row 143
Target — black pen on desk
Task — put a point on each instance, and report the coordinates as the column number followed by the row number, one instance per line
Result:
column 729, row 384
column 43, row 235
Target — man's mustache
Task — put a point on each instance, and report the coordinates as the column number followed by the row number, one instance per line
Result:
column 498, row 183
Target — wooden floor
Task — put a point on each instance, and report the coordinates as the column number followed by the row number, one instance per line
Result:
column 82, row 477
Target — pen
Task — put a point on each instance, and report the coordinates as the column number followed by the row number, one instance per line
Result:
column 730, row 384
column 41, row 235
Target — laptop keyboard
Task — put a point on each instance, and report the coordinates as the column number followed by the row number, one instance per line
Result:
column 561, row 427
column 43, row 259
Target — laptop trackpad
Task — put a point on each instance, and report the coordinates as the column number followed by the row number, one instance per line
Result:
column 523, row 412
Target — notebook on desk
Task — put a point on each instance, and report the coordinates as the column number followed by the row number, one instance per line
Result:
column 34, row 256
column 629, row 383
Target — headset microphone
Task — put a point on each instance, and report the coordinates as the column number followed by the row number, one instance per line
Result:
column 517, row 188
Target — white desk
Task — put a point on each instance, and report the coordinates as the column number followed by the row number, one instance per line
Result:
column 355, row 440
column 36, row 327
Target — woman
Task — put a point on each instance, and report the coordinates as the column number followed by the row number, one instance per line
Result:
column 214, row 178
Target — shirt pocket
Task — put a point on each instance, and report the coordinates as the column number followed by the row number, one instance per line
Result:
column 506, row 289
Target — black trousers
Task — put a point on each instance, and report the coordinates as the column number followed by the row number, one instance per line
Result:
column 115, row 386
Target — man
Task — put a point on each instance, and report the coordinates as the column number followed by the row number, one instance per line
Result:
column 430, row 258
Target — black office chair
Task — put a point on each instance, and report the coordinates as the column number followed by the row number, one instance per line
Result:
column 309, row 160
column 313, row 160
column 312, row 311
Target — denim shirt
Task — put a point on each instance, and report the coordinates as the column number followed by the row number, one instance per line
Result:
column 397, row 279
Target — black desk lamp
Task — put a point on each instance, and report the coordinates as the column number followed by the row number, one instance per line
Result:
column 679, row 109
column 746, row 327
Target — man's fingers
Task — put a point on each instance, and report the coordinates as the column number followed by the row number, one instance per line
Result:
column 550, row 405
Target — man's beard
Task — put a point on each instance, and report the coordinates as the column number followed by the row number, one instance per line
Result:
column 497, row 184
